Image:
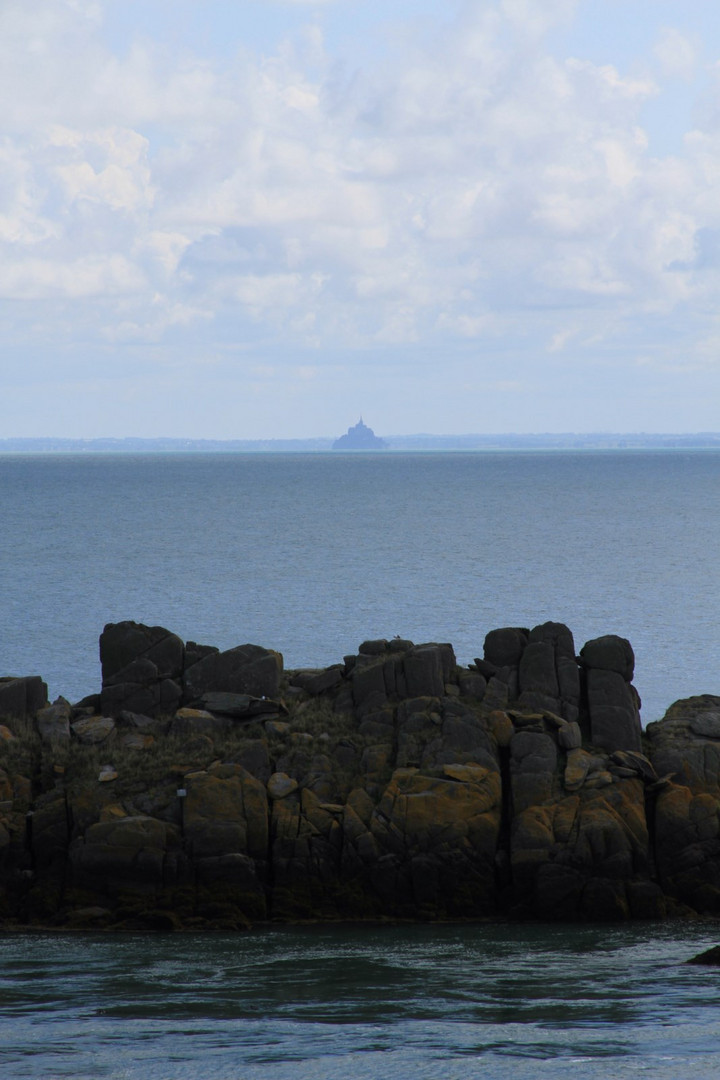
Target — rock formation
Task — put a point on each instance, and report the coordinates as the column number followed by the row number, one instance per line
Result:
column 201, row 789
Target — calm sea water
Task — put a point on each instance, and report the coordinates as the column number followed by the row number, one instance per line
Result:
column 339, row 1003
column 313, row 553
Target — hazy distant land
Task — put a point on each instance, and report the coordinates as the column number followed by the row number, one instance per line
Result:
column 396, row 443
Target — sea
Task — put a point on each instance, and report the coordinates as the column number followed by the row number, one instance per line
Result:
column 311, row 554
column 469, row 1002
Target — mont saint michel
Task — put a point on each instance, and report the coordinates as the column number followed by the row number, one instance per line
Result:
column 359, row 437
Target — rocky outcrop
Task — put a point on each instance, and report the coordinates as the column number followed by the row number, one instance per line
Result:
column 20, row 698
column 203, row 789
column 148, row 670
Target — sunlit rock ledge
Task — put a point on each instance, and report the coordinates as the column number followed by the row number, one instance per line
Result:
column 208, row 790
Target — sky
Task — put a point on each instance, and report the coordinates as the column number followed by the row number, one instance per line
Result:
column 242, row 219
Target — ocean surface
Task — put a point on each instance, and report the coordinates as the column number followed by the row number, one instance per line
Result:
column 363, row 1003
column 313, row 553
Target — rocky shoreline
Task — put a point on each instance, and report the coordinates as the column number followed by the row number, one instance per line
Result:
column 202, row 790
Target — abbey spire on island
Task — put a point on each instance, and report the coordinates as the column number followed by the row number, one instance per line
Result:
column 360, row 437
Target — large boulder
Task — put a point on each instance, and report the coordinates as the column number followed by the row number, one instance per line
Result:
column 246, row 669
column 434, row 840
column 614, row 714
column 533, row 769
column 123, row 644
column 225, row 825
column 142, row 669
column 22, row 697
column 504, row 647
column 586, row 855
column 125, row 854
column 53, row 722
column 685, row 753
column 609, row 653
column 613, row 704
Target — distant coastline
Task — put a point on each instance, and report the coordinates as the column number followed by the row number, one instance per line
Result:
column 395, row 443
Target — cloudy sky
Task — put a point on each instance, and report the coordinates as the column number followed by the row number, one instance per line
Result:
column 258, row 218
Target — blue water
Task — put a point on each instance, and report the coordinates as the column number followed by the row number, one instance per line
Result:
column 313, row 553
column 364, row 1003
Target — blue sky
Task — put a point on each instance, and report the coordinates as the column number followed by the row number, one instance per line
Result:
column 261, row 218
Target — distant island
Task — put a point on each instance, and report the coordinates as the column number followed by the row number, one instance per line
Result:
column 427, row 443
column 359, row 437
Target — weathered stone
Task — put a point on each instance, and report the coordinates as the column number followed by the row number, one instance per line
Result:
column 124, row 642
column 599, row 779
column 135, row 740
column 141, row 671
column 22, row 697
column 537, row 669
column 226, row 811
column 93, row 729
column 614, row 717
column 630, row 759
column 568, row 675
column 557, row 635
column 255, row 758
column 159, row 698
column 677, row 750
column 706, row 724
column 570, row 736
column 504, row 647
column 533, row 763
column 472, row 684
column 572, row 857
column 194, row 652
column 189, row 722
column 496, row 694
column 609, row 653
column 450, row 826
column 368, row 684
column 280, row 785
column 318, row 681
column 241, row 707
column 501, row 727
column 688, row 857
column 53, row 722
column 246, row 669
column 127, row 854
column 277, row 729
column 423, row 670
column 378, row 647
column 579, row 763
column 138, row 720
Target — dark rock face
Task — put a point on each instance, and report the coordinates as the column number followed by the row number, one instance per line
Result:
column 610, row 653
column 125, row 644
column 247, row 669
column 613, row 704
column 21, row 698
column 206, row 789
column 148, row 670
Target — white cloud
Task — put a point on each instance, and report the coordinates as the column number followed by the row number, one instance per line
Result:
column 676, row 53
column 445, row 194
